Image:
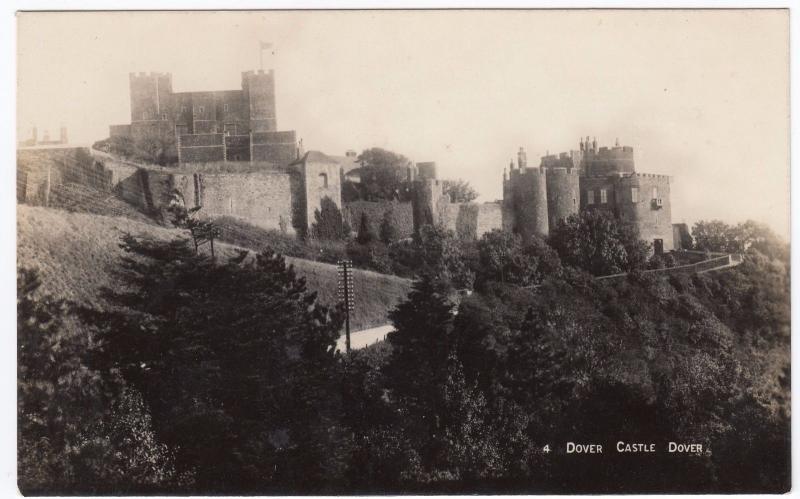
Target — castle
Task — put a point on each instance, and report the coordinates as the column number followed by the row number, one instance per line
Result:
column 224, row 125
column 234, row 162
column 537, row 198
column 588, row 178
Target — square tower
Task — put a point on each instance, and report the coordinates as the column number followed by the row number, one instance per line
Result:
column 258, row 92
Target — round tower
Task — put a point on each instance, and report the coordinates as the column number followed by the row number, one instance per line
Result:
column 428, row 196
column 562, row 194
column 529, row 188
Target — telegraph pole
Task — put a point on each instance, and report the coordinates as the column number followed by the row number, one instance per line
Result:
column 346, row 296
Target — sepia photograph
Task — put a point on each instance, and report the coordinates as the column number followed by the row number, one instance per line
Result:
column 383, row 252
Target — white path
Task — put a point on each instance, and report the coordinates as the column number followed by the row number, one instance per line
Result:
column 365, row 337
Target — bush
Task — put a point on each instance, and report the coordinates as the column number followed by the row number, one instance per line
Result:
column 598, row 243
column 328, row 222
column 373, row 256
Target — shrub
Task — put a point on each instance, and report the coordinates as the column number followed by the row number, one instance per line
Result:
column 328, row 222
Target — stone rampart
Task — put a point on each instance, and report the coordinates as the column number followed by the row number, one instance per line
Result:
column 400, row 215
column 38, row 170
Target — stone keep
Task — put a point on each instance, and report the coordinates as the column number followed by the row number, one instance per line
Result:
column 210, row 126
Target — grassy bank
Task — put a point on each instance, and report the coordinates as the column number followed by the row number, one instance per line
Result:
column 76, row 254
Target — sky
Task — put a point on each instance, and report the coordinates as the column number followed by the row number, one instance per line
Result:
column 702, row 96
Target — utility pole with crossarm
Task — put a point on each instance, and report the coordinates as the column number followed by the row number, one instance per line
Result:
column 346, row 296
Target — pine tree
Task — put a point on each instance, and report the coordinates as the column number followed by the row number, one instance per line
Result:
column 76, row 434
column 365, row 235
column 237, row 351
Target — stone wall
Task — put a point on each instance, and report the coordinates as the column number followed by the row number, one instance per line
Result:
column 237, row 147
column 470, row 221
column 490, row 217
column 119, row 131
column 40, row 169
column 277, row 147
column 401, row 216
column 591, row 189
column 262, row 199
column 201, row 148
column 608, row 161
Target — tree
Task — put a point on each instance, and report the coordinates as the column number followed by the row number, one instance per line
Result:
column 329, row 224
column 202, row 231
column 752, row 235
column 388, row 232
column 155, row 145
column 236, row 351
column 383, row 174
column 441, row 254
column 503, row 259
column 444, row 417
column 460, row 191
column 712, row 236
column 365, row 235
column 80, row 431
column 598, row 243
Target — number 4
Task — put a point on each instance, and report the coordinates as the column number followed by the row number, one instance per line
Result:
column 546, row 449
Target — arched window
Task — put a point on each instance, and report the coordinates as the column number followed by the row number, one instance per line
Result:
column 323, row 180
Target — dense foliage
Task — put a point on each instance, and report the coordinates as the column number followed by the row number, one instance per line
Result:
column 716, row 235
column 236, row 352
column 328, row 222
column 80, row 429
column 460, row 191
column 598, row 243
column 477, row 390
column 383, row 177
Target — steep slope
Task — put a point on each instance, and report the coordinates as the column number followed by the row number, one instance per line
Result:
column 76, row 254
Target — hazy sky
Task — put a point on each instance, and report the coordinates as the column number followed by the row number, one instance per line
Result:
column 702, row 96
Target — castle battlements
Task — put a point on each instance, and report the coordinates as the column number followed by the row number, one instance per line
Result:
column 561, row 170
column 591, row 177
column 529, row 171
column 151, row 74
column 252, row 72
column 652, row 175
column 210, row 126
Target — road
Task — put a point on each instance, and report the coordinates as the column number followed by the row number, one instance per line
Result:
column 365, row 337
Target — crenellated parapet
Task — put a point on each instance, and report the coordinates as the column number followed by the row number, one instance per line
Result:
column 535, row 200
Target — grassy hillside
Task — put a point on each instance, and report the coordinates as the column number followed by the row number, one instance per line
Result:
column 84, row 199
column 76, row 254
